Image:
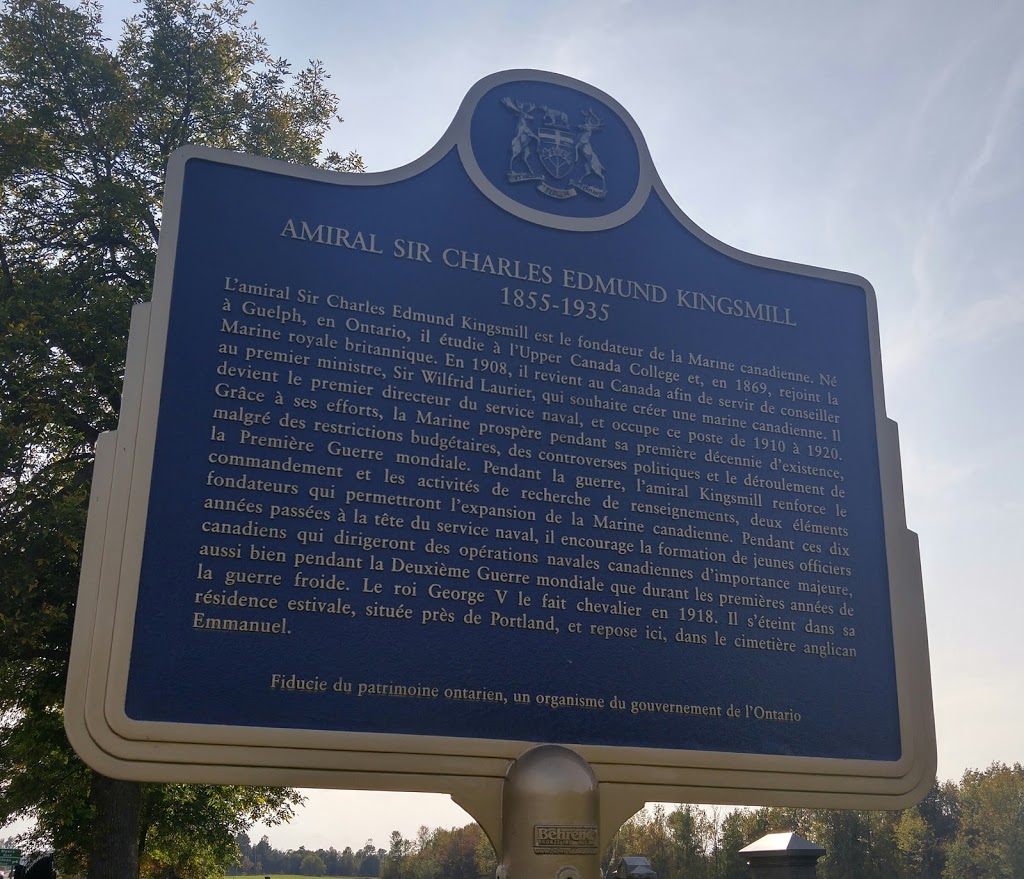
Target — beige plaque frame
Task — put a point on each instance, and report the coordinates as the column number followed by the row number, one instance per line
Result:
column 469, row 769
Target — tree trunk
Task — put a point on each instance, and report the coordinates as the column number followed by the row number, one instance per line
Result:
column 115, row 840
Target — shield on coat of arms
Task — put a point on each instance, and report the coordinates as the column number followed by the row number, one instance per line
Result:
column 557, row 151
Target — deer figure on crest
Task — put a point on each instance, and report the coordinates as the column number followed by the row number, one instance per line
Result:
column 521, row 147
column 592, row 164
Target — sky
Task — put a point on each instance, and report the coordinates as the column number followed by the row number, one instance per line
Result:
column 884, row 138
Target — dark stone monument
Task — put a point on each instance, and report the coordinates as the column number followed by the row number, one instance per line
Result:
column 41, row 869
column 783, row 855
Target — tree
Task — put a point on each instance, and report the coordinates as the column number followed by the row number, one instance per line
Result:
column 394, row 861
column 312, row 865
column 646, row 834
column 915, row 840
column 734, row 836
column 247, row 857
column 486, row 857
column 191, row 830
column 262, row 854
column 693, row 836
column 843, row 835
column 347, row 862
column 87, row 131
column 940, row 810
column 458, row 853
column 367, row 860
column 990, row 841
column 332, row 861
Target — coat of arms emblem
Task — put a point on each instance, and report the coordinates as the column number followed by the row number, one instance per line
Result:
column 557, row 156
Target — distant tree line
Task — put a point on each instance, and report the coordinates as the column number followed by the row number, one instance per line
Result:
column 970, row 830
column 459, row 853
column 263, row 858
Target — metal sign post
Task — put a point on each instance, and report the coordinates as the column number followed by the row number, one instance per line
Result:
column 550, row 817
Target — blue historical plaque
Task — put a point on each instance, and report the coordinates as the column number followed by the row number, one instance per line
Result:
column 500, row 448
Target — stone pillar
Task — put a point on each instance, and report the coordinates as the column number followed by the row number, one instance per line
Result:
column 782, row 856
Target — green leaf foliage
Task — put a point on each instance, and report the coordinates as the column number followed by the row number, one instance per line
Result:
column 190, row 831
column 458, row 853
column 990, row 840
column 86, row 129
